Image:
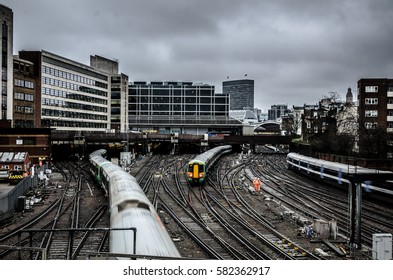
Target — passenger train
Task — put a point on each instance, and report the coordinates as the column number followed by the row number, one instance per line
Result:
column 130, row 208
column 199, row 166
column 337, row 173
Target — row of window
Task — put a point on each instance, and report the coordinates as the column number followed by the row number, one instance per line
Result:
column 72, row 86
column 178, row 107
column 72, row 105
column 72, row 77
column 63, row 123
column 24, row 96
column 23, row 83
column 24, row 110
column 74, row 96
column 4, row 75
column 180, row 99
column 24, row 123
column 371, row 101
column 73, row 115
column 370, row 125
column 170, row 91
column 374, row 89
column 371, row 113
column 7, row 167
column 177, row 113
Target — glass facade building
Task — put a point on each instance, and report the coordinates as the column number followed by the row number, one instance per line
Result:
column 241, row 93
column 73, row 96
column 118, row 91
column 177, row 107
column 6, row 48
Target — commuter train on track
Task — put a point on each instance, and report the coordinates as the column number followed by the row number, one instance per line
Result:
column 130, row 208
column 337, row 173
column 199, row 166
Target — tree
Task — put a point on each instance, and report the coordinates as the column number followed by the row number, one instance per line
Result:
column 373, row 142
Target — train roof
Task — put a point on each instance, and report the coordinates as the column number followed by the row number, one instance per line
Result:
column 208, row 154
column 345, row 168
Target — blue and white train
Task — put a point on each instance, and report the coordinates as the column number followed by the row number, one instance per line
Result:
column 338, row 173
column 130, row 208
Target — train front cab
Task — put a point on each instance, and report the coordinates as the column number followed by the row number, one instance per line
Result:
column 196, row 172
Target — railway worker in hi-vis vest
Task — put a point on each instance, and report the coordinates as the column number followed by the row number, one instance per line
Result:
column 257, row 184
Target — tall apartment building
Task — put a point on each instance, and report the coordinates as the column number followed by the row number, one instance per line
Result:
column 241, row 93
column 27, row 104
column 375, row 98
column 6, row 48
column 181, row 107
column 118, row 91
column 73, row 96
column 277, row 111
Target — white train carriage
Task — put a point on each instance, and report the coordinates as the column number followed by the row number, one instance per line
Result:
column 335, row 172
column 130, row 208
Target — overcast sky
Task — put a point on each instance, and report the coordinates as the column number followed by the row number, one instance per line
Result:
column 296, row 51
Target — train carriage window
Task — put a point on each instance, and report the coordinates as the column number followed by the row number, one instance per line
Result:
column 132, row 204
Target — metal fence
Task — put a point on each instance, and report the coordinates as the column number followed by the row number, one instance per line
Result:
column 9, row 200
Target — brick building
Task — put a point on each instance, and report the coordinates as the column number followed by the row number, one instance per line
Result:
column 375, row 97
column 35, row 141
column 27, row 102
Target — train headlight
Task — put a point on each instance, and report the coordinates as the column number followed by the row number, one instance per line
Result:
column 201, row 175
column 189, row 174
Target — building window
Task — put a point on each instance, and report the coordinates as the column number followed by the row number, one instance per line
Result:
column 371, row 89
column 29, row 97
column 29, row 110
column 19, row 109
column 371, row 113
column 4, row 74
column 371, row 101
column 370, row 125
column 23, row 83
column 19, row 96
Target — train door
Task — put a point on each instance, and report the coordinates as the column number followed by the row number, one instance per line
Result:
column 195, row 171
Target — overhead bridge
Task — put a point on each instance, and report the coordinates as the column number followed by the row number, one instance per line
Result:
column 139, row 141
column 257, row 139
column 98, row 138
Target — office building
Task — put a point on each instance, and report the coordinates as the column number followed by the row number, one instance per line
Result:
column 276, row 112
column 6, row 48
column 241, row 93
column 182, row 107
column 118, row 91
column 27, row 103
column 74, row 96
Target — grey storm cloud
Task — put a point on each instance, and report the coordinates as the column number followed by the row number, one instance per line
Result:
column 296, row 51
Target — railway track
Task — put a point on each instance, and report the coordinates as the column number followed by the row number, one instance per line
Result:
column 314, row 200
column 221, row 220
column 62, row 230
